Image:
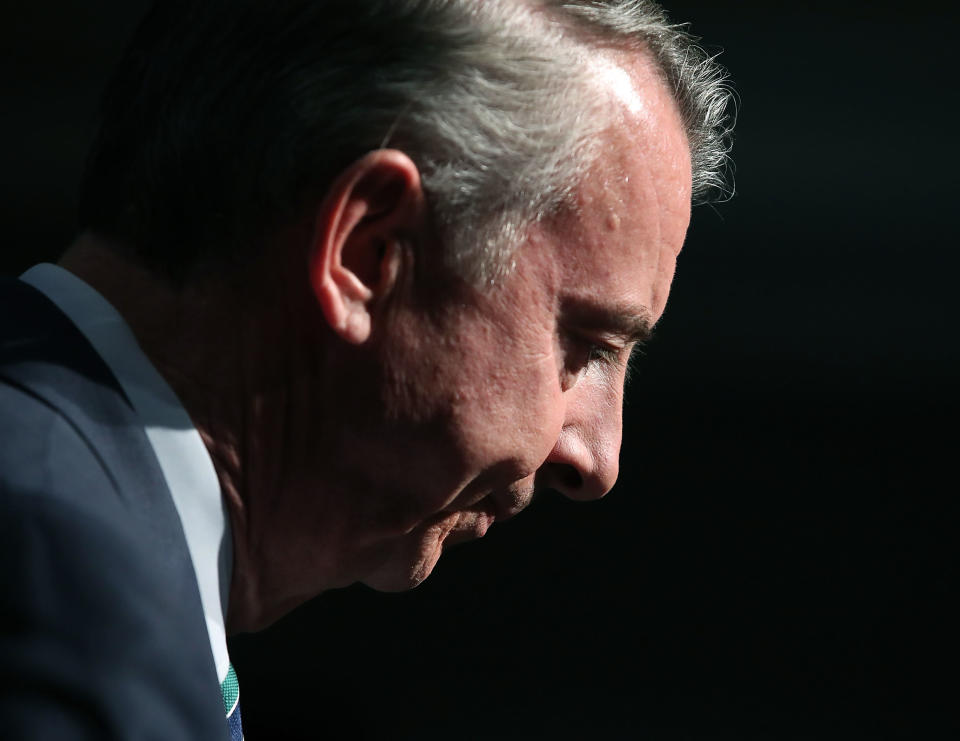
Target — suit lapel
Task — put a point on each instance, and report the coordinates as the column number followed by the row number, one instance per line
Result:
column 43, row 353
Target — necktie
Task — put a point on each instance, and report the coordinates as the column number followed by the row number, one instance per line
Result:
column 231, row 704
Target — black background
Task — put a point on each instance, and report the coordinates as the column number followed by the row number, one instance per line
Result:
column 777, row 561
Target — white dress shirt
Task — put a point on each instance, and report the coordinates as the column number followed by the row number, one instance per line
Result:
column 183, row 457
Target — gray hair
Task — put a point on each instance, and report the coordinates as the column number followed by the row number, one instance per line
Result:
column 506, row 131
column 228, row 118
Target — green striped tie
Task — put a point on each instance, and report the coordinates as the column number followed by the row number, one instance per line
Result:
column 230, row 689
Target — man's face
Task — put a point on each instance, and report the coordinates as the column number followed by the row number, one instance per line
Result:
column 521, row 386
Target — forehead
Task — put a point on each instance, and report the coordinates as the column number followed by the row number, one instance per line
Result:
column 620, row 238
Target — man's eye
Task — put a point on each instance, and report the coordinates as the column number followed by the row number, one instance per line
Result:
column 583, row 352
column 603, row 354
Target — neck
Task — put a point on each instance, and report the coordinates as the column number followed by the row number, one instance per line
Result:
column 191, row 334
column 208, row 341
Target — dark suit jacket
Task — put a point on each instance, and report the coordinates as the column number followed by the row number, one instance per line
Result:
column 102, row 634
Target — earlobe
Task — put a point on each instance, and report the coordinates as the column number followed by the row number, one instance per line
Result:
column 355, row 258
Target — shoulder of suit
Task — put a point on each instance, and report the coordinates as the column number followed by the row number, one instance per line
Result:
column 43, row 454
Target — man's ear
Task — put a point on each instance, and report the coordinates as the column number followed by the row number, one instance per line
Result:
column 355, row 255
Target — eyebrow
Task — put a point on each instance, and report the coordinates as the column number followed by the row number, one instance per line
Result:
column 628, row 322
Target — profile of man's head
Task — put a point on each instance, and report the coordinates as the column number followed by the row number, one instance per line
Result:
column 440, row 227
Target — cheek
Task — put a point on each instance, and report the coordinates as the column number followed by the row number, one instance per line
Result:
column 541, row 412
column 513, row 415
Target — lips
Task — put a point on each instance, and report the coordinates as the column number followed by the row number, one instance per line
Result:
column 486, row 515
column 473, row 520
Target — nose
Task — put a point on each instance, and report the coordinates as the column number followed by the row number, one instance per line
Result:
column 585, row 459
